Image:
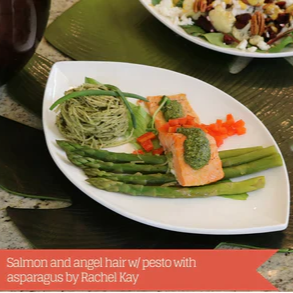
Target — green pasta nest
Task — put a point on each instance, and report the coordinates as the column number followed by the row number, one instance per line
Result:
column 95, row 121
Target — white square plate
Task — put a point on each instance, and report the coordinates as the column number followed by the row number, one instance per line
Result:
column 265, row 210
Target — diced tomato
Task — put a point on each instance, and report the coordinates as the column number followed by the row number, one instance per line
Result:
column 158, row 151
column 191, row 122
column 239, row 123
column 241, row 130
column 145, row 137
column 219, row 140
column 182, row 121
column 230, row 119
column 173, row 122
column 164, row 128
column 219, row 123
column 220, row 130
column 212, row 133
column 214, row 127
column 147, row 145
column 138, row 152
column 173, row 129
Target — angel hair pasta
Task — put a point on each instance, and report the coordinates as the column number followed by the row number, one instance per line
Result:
column 95, row 121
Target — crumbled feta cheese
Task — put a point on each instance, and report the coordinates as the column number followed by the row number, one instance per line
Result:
column 263, row 46
column 242, row 45
column 239, row 8
column 251, row 49
column 167, row 9
column 184, row 20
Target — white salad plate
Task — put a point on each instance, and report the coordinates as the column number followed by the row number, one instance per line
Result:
column 265, row 210
column 286, row 52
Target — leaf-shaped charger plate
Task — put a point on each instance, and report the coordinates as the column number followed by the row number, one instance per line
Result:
column 27, row 87
column 26, row 168
column 286, row 52
column 266, row 210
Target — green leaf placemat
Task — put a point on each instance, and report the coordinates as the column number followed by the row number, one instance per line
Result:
column 90, row 225
column 26, row 167
column 28, row 86
column 87, row 225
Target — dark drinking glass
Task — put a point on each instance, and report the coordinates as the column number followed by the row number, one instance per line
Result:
column 22, row 24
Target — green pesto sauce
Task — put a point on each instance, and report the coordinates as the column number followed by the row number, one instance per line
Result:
column 197, row 151
column 172, row 110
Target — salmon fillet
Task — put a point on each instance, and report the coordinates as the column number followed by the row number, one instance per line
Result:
column 153, row 105
column 174, row 143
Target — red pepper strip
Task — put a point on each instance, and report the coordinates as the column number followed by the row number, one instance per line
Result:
column 158, row 151
column 138, row 152
column 145, row 137
column 147, row 145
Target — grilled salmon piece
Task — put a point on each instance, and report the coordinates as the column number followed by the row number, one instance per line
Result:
column 153, row 105
column 174, row 143
column 186, row 175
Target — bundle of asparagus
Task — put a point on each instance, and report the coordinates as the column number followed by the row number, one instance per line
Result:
column 145, row 174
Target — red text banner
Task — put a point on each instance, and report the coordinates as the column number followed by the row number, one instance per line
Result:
column 148, row 270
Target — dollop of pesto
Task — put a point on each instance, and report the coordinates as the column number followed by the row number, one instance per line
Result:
column 197, row 151
column 172, row 110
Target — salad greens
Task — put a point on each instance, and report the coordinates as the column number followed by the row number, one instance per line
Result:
column 213, row 38
column 193, row 30
column 284, row 42
column 217, row 39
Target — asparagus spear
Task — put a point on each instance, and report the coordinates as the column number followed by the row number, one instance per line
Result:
column 225, row 188
column 93, row 167
column 134, row 179
column 85, row 162
column 131, row 168
column 248, row 157
column 230, row 172
column 152, row 179
column 109, row 156
column 253, row 167
column 237, row 152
